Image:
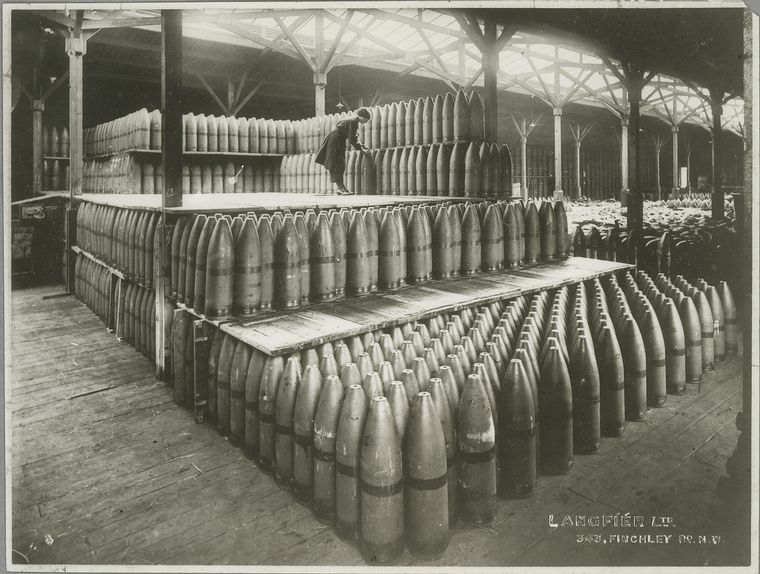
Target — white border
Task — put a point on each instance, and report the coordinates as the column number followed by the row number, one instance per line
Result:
column 644, row 4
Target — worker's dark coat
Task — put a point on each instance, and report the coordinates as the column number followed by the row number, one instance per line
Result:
column 332, row 152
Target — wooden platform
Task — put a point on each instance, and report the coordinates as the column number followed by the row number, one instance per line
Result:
column 157, row 152
column 241, row 202
column 107, row 469
column 292, row 331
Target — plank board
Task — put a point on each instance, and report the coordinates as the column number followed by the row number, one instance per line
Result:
column 259, row 202
column 126, row 477
column 296, row 330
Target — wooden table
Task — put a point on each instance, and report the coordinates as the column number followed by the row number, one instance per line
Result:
column 260, row 202
column 283, row 332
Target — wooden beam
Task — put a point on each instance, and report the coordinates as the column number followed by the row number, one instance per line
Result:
column 433, row 51
column 490, row 66
column 382, row 14
column 507, row 32
column 548, row 96
column 76, row 48
column 248, row 35
column 235, row 16
column 230, row 95
column 110, row 22
column 366, row 34
column 469, row 84
column 239, row 90
column 57, row 17
column 297, row 45
column 557, row 111
column 108, row 40
column 37, row 107
column 212, row 93
column 674, row 138
column 171, row 107
column 59, row 81
column 247, row 98
column 22, row 87
column 453, row 85
column 473, row 32
column 319, row 39
column 579, row 84
column 716, row 107
column 361, row 60
column 328, row 61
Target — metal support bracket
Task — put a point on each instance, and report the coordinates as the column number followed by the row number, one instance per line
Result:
column 76, row 47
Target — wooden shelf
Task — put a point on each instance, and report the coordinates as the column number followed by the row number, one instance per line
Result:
column 216, row 322
column 116, row 272
column 124, row 152
column 79, row 251
column 386, row 148
column 231, row 154
column 290, row 331
column 259, row 202
column 42, row 197
column 185, row 153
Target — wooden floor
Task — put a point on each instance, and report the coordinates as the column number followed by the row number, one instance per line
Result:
column 107, row 469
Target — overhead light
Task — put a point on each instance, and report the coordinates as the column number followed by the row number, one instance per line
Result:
column 339, row 105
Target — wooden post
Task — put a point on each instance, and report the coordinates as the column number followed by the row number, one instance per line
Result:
column 38, row 106
column 675, row 160
column 490, row 64
column 657, row 172
column 716, row 104
column 578, row 190
column 171, row 195
column 523, row 129
column 635, row 201
column 76, row 47
column 557, row 149
column 751, row 176
column 524, row 164
column 579, row 133
column 657, row 149
column 623, row 159
column 320, row 87
column 171, row 106
column 688, row 166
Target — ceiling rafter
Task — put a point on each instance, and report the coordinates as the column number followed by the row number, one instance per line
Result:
column 525, row 130
column 580, row 131
column 432, row 49
column 365, row 33
column 248, row 35
column 308, row 59
column 328, row 62
column 388, row 15
column 528, row 48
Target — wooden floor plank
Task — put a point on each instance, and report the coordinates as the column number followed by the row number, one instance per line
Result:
column 88, row 473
